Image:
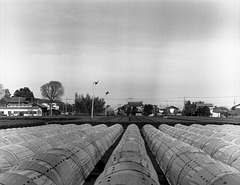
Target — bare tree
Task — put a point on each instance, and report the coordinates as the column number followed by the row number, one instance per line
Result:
column 52, row 91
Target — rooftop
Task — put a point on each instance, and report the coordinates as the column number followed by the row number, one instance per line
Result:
column 17, row 100
column 135, row 104
column 235, row 106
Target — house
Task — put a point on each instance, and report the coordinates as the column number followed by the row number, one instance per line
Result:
column 171, row 110
column 19, row 106
column 201, row 105
column 134, row 108
column 220, row 111
column 54, row 106
column 235, row 111
column 236, row 107
column 216, row 114
column 46, row 104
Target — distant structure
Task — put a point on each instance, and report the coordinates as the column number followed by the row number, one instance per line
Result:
column 201, row 105
column 171, row 110
column 43, row 103
column 235, row 111
column 18, row 106
column 209, row 105
column 54, row 106
column 135, row 109
column 129, row 107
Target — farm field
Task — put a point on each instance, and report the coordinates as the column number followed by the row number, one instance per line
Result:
column 119, row 150
column 12, row 122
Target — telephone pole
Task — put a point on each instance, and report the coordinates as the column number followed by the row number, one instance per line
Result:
column 94, row 83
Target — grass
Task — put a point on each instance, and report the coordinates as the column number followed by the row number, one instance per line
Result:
column 12, row 122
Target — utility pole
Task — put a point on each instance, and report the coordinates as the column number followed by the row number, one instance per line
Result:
column 66, row 107
column 106, row 103
column 94, row 83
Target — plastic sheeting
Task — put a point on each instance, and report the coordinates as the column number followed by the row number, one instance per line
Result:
column 222, row 145
column 13, row 154
column 184, row 164
column 68, row 164
column 129, row 163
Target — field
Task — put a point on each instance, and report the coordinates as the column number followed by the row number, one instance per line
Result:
column 147, row 148
column 11, row 122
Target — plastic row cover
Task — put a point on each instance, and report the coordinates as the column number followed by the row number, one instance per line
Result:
column 129, row 163
column 17, row 135
column 203, row 130
column 11, row 155
column 197, row 139
column 69, row 164
column 226, row 132
column 233, row 129
column 220, row 149
column 226, row 136
column 184, row 164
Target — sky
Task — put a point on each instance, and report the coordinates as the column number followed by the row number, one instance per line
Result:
column 156, row 51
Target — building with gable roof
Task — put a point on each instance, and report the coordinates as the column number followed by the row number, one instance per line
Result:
column 235, row 111
column 19, row 106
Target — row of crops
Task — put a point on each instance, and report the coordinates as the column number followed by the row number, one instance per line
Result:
column 66, row 154
column 199, row 155
column 17, row 145
column 129, row 163
column 6, row 122
column 121, row 119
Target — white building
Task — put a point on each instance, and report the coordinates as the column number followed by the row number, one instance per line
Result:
column 54, row 106
column 18, row 106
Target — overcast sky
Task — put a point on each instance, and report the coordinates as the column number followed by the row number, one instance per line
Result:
column 155, row 51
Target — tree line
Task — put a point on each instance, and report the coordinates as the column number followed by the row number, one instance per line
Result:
column 83, row 105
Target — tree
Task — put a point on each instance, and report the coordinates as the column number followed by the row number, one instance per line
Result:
column 189, row 108
column 83, row 104
column 147, row 109
column 5, row 97
column 206, row 111
column 203, row 111
column 7, row 94
column 24, row 92
column 109, row 111
column 99, row 105
column 129, row 111
column 134, row 111
column 68, row 107
column 52, row 91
